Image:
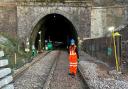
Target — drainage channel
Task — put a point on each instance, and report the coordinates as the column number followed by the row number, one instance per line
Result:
column 59, row 78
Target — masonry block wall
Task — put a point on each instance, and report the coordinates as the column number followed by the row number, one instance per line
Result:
column 102, row 18
column 29, row 16
column 8, row 16
column 89, row 22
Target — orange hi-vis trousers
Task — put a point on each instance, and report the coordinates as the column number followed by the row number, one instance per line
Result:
column 73, row 64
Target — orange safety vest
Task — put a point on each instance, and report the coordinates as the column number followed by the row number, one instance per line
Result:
column 72, row 49
column 72, row 59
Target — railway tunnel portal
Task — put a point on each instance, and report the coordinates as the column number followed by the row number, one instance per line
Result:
column 55, row 28
column 59, row 23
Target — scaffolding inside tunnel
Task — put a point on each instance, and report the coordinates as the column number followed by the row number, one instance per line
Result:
column 53, row 28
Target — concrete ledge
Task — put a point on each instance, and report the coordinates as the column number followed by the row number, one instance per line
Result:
column 10, row 86
column 5, row 81
column 3, row 62
column 4, row 72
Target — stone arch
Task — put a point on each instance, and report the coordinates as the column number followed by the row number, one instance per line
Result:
column 67, row 15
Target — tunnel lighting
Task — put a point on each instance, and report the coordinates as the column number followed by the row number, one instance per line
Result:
column 54, row 16
column 117, row 34
column 45, row 40
column 39, row 32
column 57, row 29
column 111, row 29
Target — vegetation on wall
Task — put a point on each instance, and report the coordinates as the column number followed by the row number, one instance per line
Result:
column 12, row 50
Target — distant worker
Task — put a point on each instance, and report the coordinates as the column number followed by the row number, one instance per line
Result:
column 34, row 53
column 50, row 46
column 73, row 58
column 46, row 45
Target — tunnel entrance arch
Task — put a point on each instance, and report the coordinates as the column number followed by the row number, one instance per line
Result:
column 56, row 28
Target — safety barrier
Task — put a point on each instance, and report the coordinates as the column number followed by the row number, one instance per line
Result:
column 103, row 49
column 124, row 47
column 5, row 73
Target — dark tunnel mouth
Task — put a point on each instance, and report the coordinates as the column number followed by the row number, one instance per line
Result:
column 56, row 28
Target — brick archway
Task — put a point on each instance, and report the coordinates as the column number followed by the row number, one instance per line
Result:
column 67, row 32
column 29, row 16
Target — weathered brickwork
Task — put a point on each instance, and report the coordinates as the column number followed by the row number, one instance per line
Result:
column 109, row 2
column 8, row 19
column 29, row 16
column 88, row 22
column 97, row 24
column 103, row 18
column 7, row 1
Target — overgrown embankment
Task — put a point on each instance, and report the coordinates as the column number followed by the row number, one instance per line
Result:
column 14, row 51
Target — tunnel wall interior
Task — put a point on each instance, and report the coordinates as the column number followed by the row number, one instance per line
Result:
column 55, row 28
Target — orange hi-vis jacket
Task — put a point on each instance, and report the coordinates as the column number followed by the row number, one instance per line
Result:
column 72, row 59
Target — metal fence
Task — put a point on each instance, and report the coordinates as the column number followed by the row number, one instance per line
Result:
column 124, row 47
column 103, row 49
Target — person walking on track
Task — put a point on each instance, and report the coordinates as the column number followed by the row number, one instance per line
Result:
column 73, row 58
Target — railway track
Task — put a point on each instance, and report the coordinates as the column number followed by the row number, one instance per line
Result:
column 50, row 72
column 59, row 78
column 24, row 68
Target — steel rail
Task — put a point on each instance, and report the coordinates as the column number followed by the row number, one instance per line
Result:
column 27, row 66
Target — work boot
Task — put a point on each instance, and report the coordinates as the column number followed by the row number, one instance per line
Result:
column 72, row 75
column 69, row 73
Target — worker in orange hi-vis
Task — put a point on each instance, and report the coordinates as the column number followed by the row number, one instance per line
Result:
column 72, row 58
